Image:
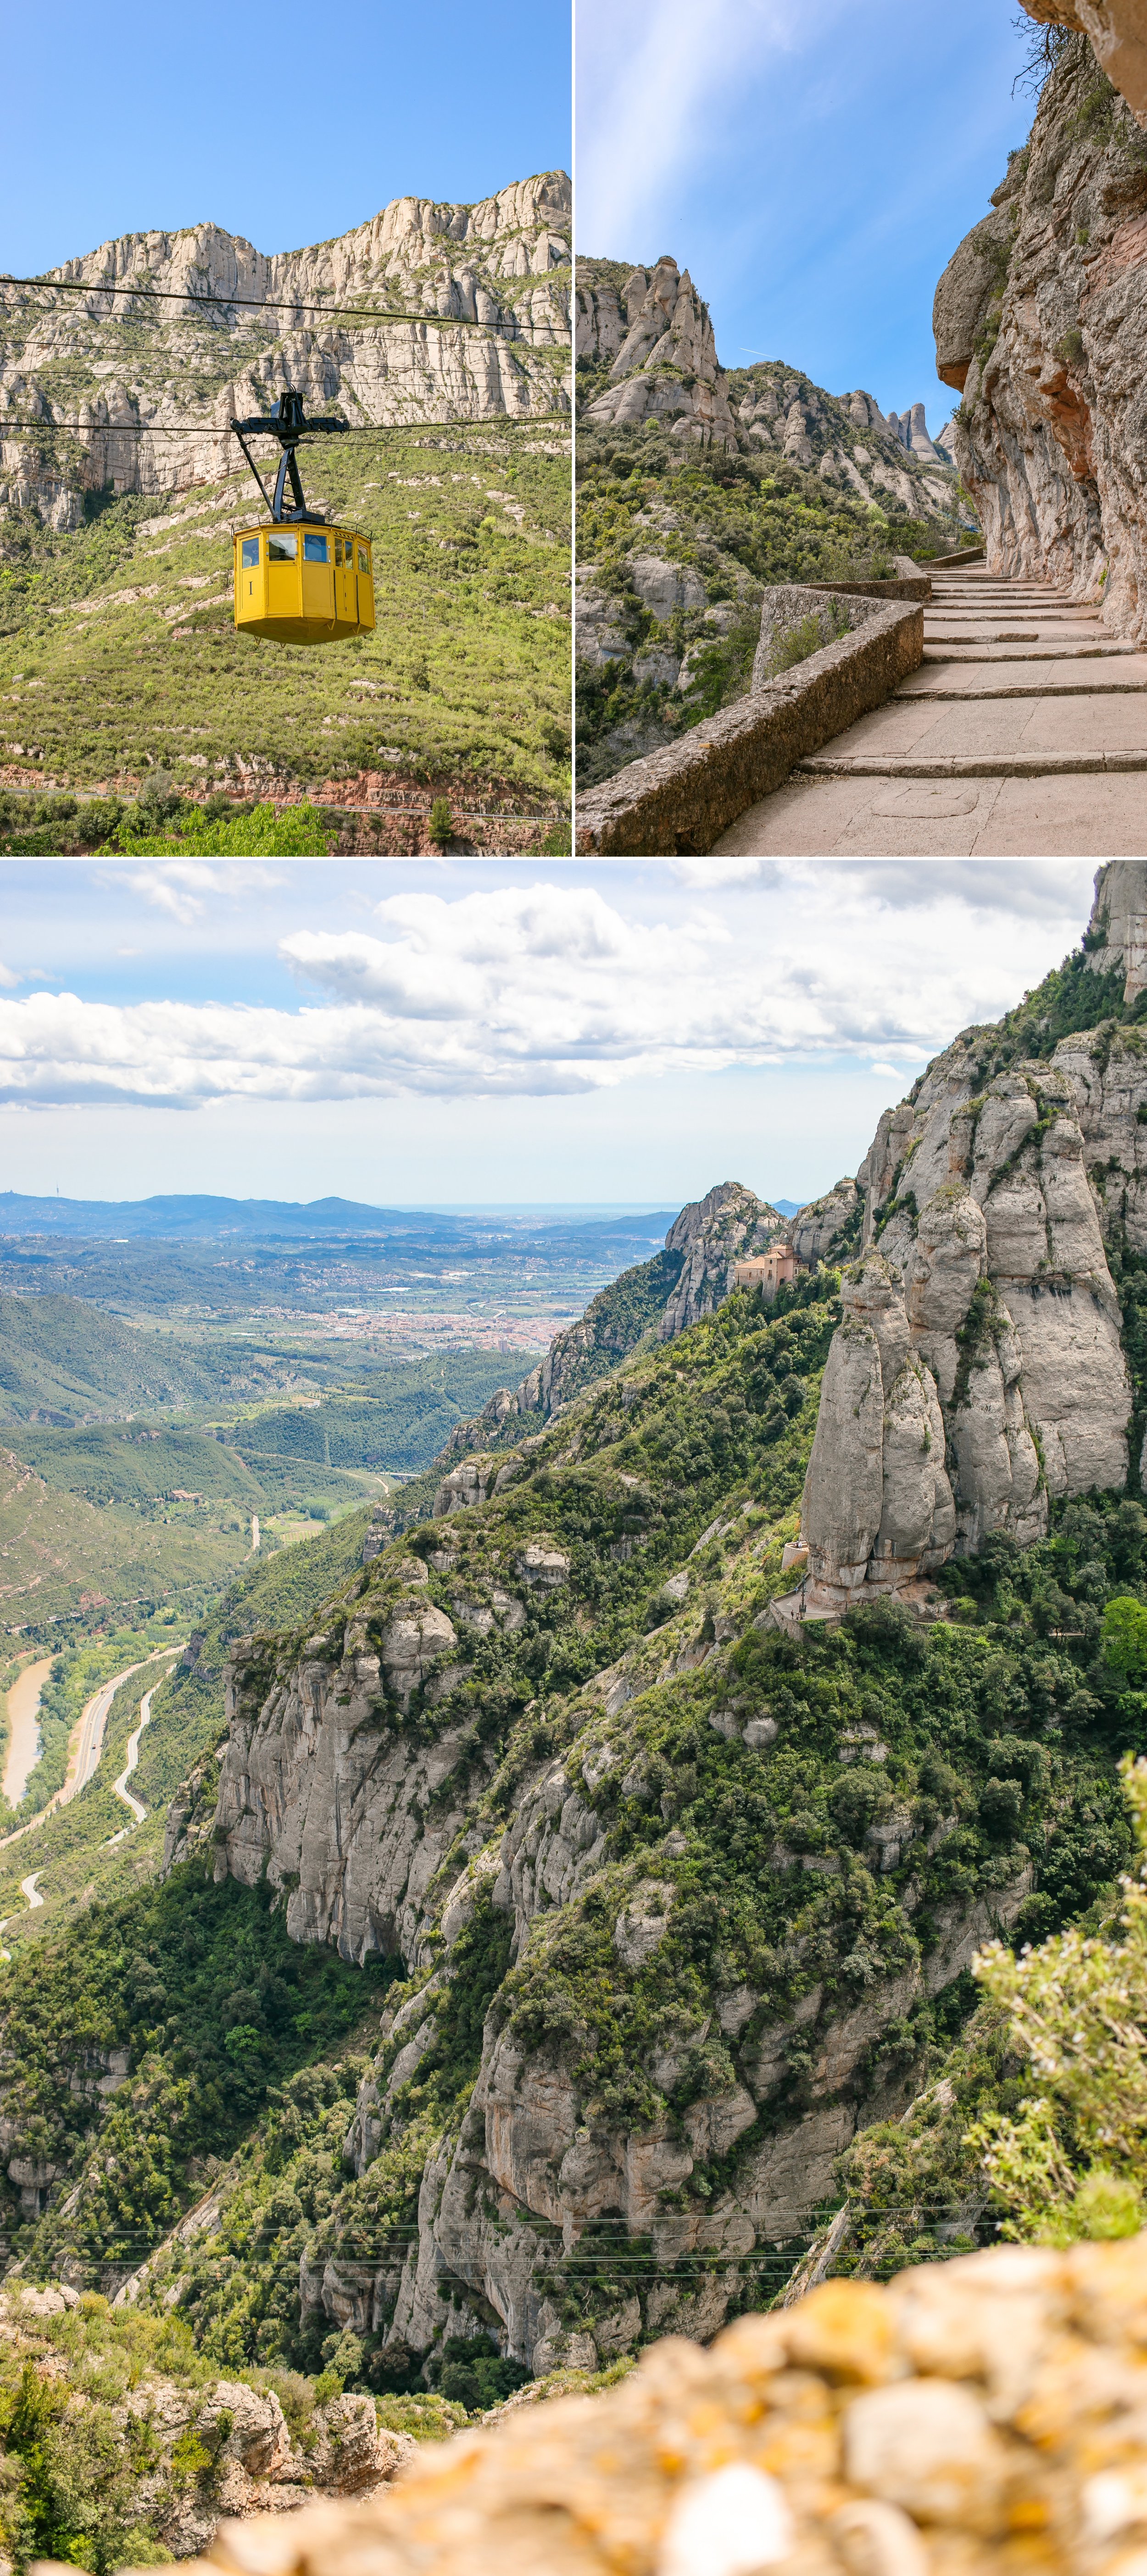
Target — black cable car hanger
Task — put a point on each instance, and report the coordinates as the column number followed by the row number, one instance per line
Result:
column 288, row 425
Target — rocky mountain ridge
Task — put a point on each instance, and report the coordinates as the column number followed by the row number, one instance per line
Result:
column 665, row 1890
column 700, row 486
column 1041, row 322
column 653, row 334
column 663, row 1297
column 402, row 1829
column 979, row 1371
column 115, row 364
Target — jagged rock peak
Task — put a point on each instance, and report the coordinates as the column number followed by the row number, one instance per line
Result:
column 711, row 1235
column 1117, row 930
column 979, row 1369
column 846, row 438
column 689, row 1279
column 665, row 365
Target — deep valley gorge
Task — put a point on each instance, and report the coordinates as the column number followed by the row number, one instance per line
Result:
column 555, row 1906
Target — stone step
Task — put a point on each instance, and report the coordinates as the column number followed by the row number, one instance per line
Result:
column 999, row 635
column 1014, row 610
column 1017, row 764
column 1022, row 689
column 971, row 627
column 1009, row 609
column 1043, row 653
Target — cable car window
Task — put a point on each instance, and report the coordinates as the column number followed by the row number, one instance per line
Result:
column 315, row 550
column 338, row 550
column 250, row 550
column 282, row 549
column 363, row 560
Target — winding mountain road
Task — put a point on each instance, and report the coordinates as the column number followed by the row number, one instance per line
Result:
column 85, row 1745
column 119, row 1787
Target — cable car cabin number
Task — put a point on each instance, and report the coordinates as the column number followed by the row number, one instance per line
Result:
column 303, row 585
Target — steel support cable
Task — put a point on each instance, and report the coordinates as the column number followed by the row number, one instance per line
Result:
column 248, row 303
column 410, row 2230
column 210, row 429
column 400, row 2240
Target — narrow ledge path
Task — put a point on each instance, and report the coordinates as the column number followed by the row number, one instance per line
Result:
column 1022, row 735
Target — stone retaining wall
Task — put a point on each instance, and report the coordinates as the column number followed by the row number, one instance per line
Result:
column 677, row 802
column 966, row 555
column 915, row 585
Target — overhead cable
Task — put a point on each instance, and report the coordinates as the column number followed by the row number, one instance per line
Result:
column 250, row 303
column 180, row 429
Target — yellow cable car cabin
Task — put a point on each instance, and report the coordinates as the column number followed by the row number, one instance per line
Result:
column 303, row 584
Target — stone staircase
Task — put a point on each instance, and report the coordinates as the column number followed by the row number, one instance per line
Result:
column 1023, row 735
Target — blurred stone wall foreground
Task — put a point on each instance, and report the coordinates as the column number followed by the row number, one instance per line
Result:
column 984, row 2417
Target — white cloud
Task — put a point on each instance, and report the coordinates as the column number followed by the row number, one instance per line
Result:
column 7, row 978
column 553, row 988
column 183, row 887
column 1042, row 889
column 652, row 76
column 1036, row 889
column 715, row 873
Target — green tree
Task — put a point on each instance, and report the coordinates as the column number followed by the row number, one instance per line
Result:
column 441, row 825
column 1072, row 2161
column 295, row 831
column 69, row 2491
column 1124, row 1634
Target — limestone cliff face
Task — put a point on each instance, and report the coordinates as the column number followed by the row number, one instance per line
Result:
column 666, row 367
column 369, row 1818
column 1041, row 324
column 653, row 331
column 687, row 1280
column 504, row 262
column 979, row 1368
column 1118, row 33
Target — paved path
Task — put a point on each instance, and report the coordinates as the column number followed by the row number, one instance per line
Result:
column 119, row 1787
column 1023, row 735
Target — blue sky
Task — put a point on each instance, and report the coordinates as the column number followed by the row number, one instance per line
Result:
column 160, row 118
column 811, row 162
column 422, row 1031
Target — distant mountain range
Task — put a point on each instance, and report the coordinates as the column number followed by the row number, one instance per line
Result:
column 186, row 1216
